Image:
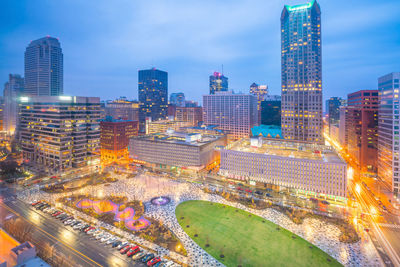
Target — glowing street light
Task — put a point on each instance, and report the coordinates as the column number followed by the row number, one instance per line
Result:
column 358, row 188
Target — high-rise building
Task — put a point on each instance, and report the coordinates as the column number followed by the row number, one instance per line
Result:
column 362, row 128
column 271, row 111
column 235, row 114
column 301, row 72
column 177, row 99
column 388, row 130
column 161, row 126
column 194, row 115
column 12, row 90
column 332, row 105
column 260, row 91
column 44, row 68
column 343, row 125
column 123, row 109
column 153, row 95
column 60, row 132
column 114, row 139
column 218, row 83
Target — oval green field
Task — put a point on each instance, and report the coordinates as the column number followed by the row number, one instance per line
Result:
column 246, row 239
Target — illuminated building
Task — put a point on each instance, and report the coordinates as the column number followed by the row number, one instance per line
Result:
column 44, row 68
column 301, row 72
column 12, row 90
column 59, row 132
column 235, row 114
column 114, row 139
column 218, row 83
column 162, row 126
column 362, row 128
column 260, row 91
column 153, row 95
column 122, row 109
column 388, row 130
column 174, row 149
column 203, row 129
column 343, row 124
column 177, row 99
column 271, row 110
column 304, row 168
column 194, row 115
column 333, row 105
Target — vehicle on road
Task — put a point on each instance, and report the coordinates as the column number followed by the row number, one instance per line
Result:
column 116, row 243
column 139, row 255
column 105, row 238
column 153, row 261
column 111, row 240
column 122, row 245
column 148, row 257
column 125, row 249
column 133, row 251
column 34, row 203
column 56, row 213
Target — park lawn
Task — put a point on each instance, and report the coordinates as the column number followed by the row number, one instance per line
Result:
column 244, row 240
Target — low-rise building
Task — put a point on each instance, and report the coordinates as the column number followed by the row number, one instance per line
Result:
column 162, row 126
column 172, row 149
column 305, row 168
column 194, row 115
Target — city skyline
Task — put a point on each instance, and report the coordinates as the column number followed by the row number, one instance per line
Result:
column 353, row 57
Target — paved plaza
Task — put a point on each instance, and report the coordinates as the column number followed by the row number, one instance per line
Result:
column 145, row 187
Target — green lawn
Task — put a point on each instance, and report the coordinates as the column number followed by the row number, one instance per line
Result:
column 244, row 240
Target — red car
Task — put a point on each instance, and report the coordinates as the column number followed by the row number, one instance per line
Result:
column 56, row 214
column 248, row 190
column 88, row 229
column 239, row 188
column 125, row 249
column 35, row 203
column 133, row 251
column 153, row 261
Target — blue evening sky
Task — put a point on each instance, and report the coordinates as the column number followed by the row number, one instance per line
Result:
column 106, row 42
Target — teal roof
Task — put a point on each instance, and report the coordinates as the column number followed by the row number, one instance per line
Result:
column 267, row 131
column 302, row 6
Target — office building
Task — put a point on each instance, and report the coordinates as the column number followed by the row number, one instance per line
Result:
column 235, row 114
column 218, row 83
column 44, row 68
column 333, row 105
column 171, row 150
column 12, row 90
column 177, row 99
column 203, row 129
column 122, row 109
column 114, row 139
column 194, row 115
column 362, row 128
column 388, row 130
column 304, row 168
column 59, row 132
column 162, row 126
column 271, row 111
column 259, row 91
column 191, row 104
column 301, row 72
column 343, row 125
column 153, row 95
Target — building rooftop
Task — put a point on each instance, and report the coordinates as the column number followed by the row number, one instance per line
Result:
column 190, row 139
column 7, row 244
column 286, row 149
column 270, row 131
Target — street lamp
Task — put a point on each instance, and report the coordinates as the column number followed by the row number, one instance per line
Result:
column 358, row 188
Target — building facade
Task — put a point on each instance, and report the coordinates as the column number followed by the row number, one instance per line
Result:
column 218, row 83
column 362, row 128
column 235, row 114
column 301, row 72
column 271, row 112
column 177, row 99
column 194, row 115
column 122, row 109
column 388, row 130
column 114, row 139
column 59, row 132
column 153, row 95
column 259, row 91
column 44, row 68
column 161, row 126
column 333, row 105
column 174, row 149
column 12, row 90
column 306, row 168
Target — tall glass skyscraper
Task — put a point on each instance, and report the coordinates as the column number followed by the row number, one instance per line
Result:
column 44, row 68
column 153, row 95
column 218, row 83
column 301, row 72
column 12, row 90
column 388, row 131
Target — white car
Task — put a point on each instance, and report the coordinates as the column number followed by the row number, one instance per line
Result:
column 140, row 254
column 168, row 263
column 100, row 236
column 123, row 244
column 111, row 240
column 49, row 210
column 105, row 238
column 75, row 227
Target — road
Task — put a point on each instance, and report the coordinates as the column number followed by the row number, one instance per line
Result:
column 85, row 251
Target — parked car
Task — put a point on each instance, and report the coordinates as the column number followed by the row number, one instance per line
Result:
column 248, row 190
column 268, row 195
column 239, row 188
column 148, row 257
column 325, row 202
column 258, row 193
column 116, row 243
column 133, row 251
column 34, row 203
column 139, row 255
column 111, row 240
column 105, row 238
column 125, row 249
column 153, row 261
column 122, row 245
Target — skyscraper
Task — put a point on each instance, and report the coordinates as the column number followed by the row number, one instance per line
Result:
column 44, row 68
column 260, row 91
column 332, row 106
column 177, row 99
column 12, row 90
column 271, row 110
column 301, row 72
column 153, row 95
column 218, row 83
column 388, row 130
column 235, row 114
